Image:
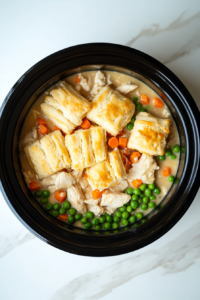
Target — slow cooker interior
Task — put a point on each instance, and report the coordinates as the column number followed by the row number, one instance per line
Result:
column 167, row 201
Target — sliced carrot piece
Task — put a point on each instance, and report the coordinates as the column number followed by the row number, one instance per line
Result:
column 122, row 142
column 122, row 132
column 85, row 124
column 166, row 172
column 128, row 163
column 41, row 122
column 113, row 142
column 134, row 157
column 60, row 196
column 77, row 79
column 157, row 102
column 85, row 176
column 96, row 194
column 33, row 186
column 136, row 183
column 144, row 99
column 43, row 130
column 63, row 217
column 56, row 128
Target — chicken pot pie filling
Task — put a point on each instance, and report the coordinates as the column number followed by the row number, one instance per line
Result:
column 100, row 150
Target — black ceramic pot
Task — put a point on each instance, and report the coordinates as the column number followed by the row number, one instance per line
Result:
column 58, row 66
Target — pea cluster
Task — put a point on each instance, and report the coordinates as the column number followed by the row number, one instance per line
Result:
column 140, row 108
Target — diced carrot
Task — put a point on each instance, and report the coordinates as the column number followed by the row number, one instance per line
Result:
column 166, row 172
column 144, row 99
column 157, row 102
column 43, row 130
column 104, row 191
column 33, row 186
column 113, row 142
column 85, row 176
column 134, row 157
column 96, row 194
column 136, row 183
column 85, row 124
column 63, row 217
column 41, row 122
column 60, row 196
column 122, row 132
column 56, row 128
column 109, row 134
column 122, row 142
column 77, row 79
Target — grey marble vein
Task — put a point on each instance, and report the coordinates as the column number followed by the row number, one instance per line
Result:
column 155, row 29
column 11, row 242
column 176, row 256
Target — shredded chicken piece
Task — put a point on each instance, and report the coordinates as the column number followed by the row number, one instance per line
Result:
column 114, row 200
column 99, row 82
column 78, row 87
column 84, row 83
column 88, row 192
column 80, row 179
column 61, row 180
column 109, row 81
column 76, row 198
column 120, row 187
column 165, row 113
column 144, row 169
column 29, row 176
column 91, row 201
column 31, row 137
column 126, row 88
column 110, row 210
column 96, row 209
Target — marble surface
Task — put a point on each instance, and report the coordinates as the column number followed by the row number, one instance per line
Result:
column 168, row 268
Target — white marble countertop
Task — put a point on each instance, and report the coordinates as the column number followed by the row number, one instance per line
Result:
column 168, row 268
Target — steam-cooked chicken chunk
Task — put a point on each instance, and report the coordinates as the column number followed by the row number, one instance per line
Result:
column 79, row 178
column 61, row 180
column 88, row 192
column 96, row 209
column 92, row 201
column 114, row 200
column 143, row 170
column 120, row 187
column 31, row 136
column 126, row 88
column 28, row 176
column 84, row 83
column 99, row 82
column 76, row 198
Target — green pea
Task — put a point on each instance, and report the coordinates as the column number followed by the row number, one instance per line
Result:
column 49, row 206
column 70, row 220
column 176, row 149
column 102, row 219
column 109, row 219
column 161, row 157
column 107, row 226
column 84, row 220
column 138, row 106
column 145, row 200
column 77, row 216
column 129, row 126
column 152, row 205
column 45, row 193
column 143, row 206
column 72, row 211
column 116, row 219
column 142, row 110
column 133, row 119
column 129, row 209
column 156, row 191
column 134, row 197
column 124, row 222
column 140, row 201
column 176, row 181
column 95, row 221
column 97, row 227
column 148, row 106
column 56, row 206
column 89, row 215
column 38, row 194
column 183, row 149
column 66, row 205
column 135, row 99
column 139, row 215
column 134, row 204
column 142, row 195
column 115, row 225
column 152, row 197
column 62, row 211
column 87, row 225
column 171, row 178
column 173, row 156
column 132, row 219
column 125, row 215
column 122, row 208
column 44, row 200
column 129, row 191
column 137, row 192
column 151, row 186
column 118, row 214
column 143, row 187
column 55, row 213
column 147, row 192
column 168, row 152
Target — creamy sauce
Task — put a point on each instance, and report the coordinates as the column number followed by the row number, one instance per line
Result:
column 117, row 80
